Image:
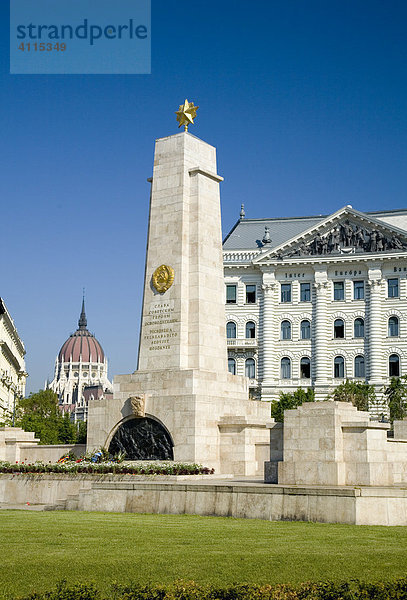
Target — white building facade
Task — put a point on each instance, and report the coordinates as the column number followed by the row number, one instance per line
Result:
column 12, row 364
column 313, row 301
column 80, row 372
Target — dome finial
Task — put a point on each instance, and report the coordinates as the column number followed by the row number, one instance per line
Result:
column 242, row 212
column 82, row 319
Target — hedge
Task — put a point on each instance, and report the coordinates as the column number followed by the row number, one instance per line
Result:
column 181, row 590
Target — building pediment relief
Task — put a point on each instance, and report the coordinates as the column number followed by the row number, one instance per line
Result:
column 349, row 238
column 346, row 232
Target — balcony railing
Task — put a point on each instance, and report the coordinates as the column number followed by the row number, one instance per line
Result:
column 241, row 343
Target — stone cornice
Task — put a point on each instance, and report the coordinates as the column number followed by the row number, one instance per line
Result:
column 338, row 258
column 11, row 328
column 199, row 171
column 9, row 354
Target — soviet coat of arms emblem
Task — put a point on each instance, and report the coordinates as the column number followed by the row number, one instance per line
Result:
column 163, row 278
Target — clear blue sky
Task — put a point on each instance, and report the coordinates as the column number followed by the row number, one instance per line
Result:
column 304, row 100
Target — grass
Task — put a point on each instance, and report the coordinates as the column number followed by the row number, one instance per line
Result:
column 40, row 548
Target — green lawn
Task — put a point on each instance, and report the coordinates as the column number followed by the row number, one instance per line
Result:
column 40, row 548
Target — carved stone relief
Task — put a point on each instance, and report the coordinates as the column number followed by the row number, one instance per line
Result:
column 348, row 238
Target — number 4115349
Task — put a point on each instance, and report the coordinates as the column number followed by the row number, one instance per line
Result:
column 42, row 47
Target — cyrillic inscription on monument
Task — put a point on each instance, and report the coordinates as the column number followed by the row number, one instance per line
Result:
column 160, row 326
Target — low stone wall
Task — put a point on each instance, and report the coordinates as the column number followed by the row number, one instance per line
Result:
column 22, row 446
column 50, row 453
column 54, row 488
column 125, row 493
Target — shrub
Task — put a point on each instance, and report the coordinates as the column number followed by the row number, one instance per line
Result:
column 396, row 395
column 288, row 401
column 361, row 395
column 189, row 590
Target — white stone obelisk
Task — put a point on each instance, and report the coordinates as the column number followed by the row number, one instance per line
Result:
column 184, row 327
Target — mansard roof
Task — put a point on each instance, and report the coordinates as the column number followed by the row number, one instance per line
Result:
column 247, row 234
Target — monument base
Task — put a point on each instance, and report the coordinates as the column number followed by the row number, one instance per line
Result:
column 207, row 415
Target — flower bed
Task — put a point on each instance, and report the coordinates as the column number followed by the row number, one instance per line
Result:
column 108, row 467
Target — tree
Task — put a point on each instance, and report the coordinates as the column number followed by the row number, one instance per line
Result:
column 290, row 400
column 361, row 395
column 396, row 394
column 39, row 413
column 81, row 432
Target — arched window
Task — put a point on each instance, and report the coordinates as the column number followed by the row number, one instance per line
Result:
column 285, row 330
column 250, row 368
column 394, row 365
column 250, row 329
column 305, row 368
column 339, row 367
column 230, row 330
column 305, row 330
column 359, row 328
column 393, row 327
column 285, row 368
column 359, row 366
column 339, row 329
column 232, row 366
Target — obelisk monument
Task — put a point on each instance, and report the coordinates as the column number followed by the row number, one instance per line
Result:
column 182, row 384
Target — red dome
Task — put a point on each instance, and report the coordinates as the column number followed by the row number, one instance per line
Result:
column 81, row 344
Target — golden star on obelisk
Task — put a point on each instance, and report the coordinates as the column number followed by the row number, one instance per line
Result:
column 186, row 114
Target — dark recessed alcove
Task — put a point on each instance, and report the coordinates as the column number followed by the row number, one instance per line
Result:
column 142, row 438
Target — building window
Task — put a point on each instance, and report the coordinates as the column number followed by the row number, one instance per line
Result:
column 250, row 368
column 230, row 294
column 285, row 330
column 305, row 368
column 285, row 368
column 232, row 366
column 230, row 330
column 394, row 365
column 358, row 290
column 286, row 292
column 359, row 366
column 339, row 367
column 359, row 328
column 305, row 292
column 339, row 290
column 250, row 294
column 393, row 327
column 339, row 329
column 393, row 288
column 305, row 330
column 250, row 330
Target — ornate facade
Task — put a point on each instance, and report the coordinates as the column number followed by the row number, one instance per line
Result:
column 313, row 301
column 12, row 364
column 80, row 372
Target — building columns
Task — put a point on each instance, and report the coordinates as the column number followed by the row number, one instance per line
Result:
column 375, row 346
column 267, row 334
column 320, row 354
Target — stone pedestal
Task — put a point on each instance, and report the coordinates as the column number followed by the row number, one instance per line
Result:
column 332, row 443
column 182, row 379
column 400, row 429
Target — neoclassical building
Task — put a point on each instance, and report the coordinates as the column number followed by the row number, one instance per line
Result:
column 12, row 365
column 80, row 371
column 312, row 301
